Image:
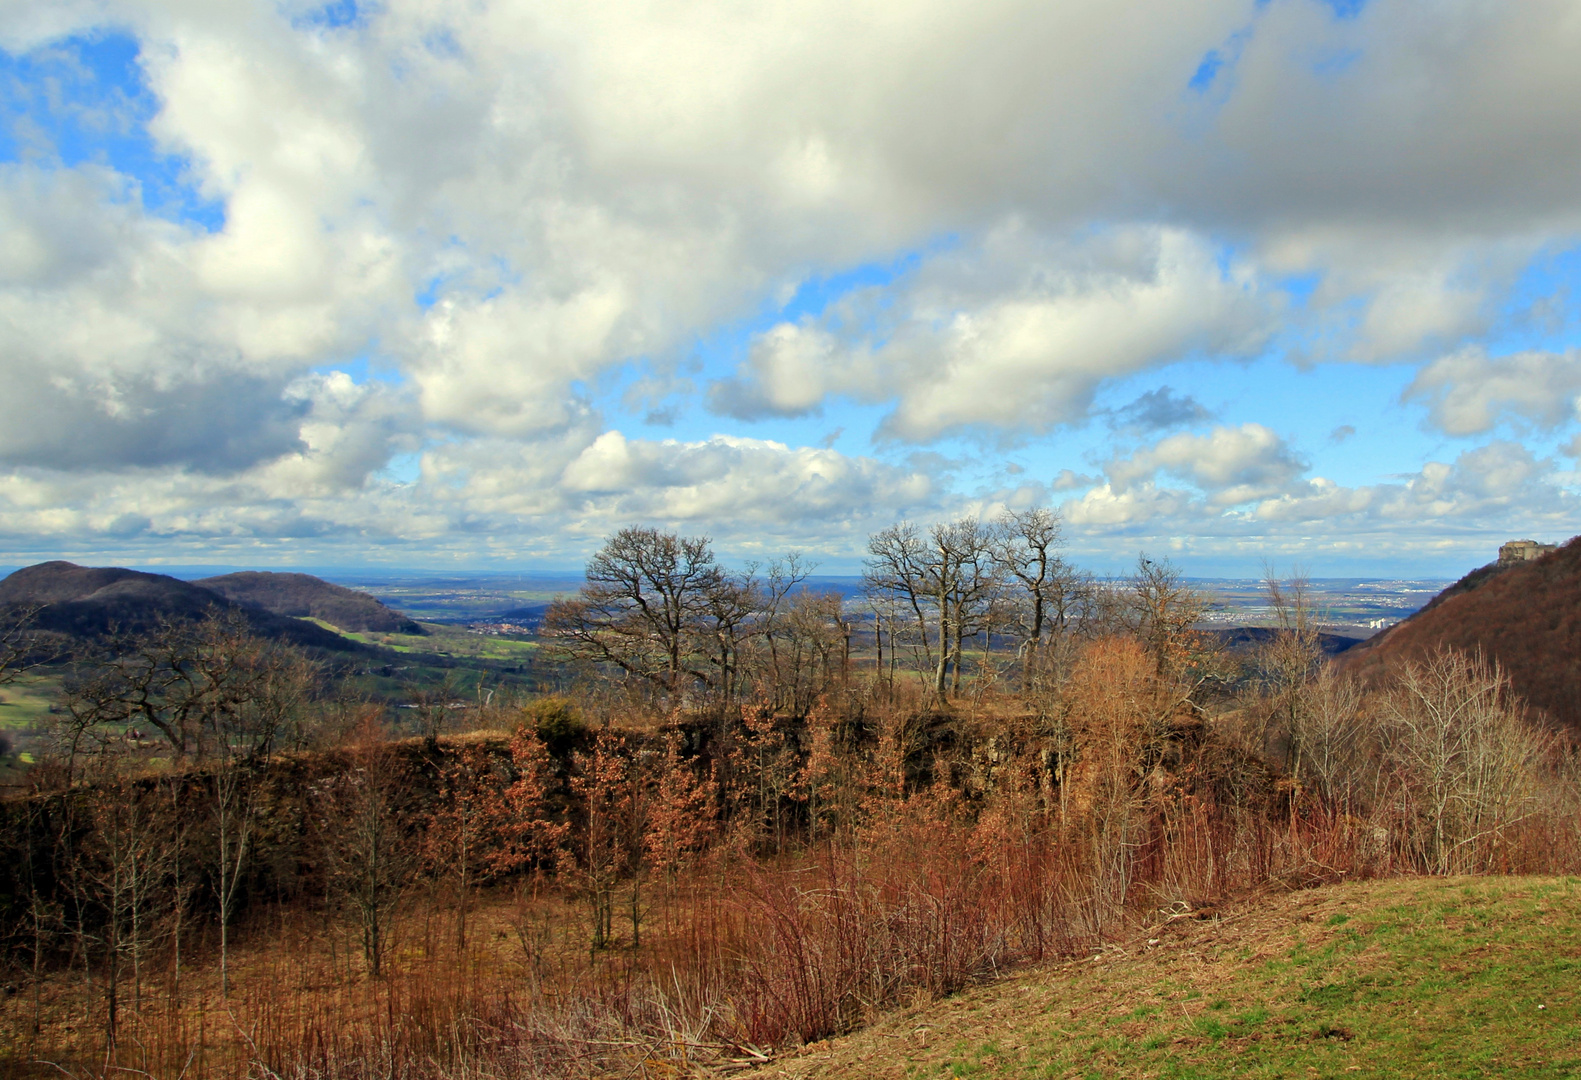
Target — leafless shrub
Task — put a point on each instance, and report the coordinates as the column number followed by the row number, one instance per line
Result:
column 1468, row 760
column 1332, row 738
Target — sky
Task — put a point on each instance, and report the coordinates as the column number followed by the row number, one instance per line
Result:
column 474, row 283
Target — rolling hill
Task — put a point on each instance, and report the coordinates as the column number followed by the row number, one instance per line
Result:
column 83, row 601
column 303, row 596
column 1526, row 617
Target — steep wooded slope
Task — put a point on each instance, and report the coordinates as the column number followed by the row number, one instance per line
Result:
column 1526, row 617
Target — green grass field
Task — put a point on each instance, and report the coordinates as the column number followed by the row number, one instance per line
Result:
column 473, row 664
column 443, row 640
column 25, row 703
column 1403, row 978
column 24, row 716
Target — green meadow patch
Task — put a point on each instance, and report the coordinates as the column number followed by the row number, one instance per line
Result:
column 1412, row 977
column 444, row 640
column 24, row 704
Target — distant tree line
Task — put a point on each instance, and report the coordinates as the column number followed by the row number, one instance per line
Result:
column 962, row 601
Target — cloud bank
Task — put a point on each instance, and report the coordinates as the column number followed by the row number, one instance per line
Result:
column 418, row 280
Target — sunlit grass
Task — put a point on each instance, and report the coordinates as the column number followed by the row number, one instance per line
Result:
column 443, row 640
column 1415, row 977
column 25, row 703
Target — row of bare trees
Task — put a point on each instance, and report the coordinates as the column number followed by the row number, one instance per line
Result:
column 1443, row 748
column 211, row 699
column 935, row 592
column 659, row 609
column 1443, row 754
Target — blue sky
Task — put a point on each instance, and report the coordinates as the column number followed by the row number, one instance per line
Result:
column 83, row 101
column 433, row 284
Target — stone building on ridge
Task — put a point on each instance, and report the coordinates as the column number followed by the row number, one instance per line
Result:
column 1519, row 551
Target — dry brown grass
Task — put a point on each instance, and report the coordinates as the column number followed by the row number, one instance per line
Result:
column 740, row 957
column 524, row 995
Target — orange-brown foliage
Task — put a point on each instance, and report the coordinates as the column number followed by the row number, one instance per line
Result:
column 1527, row 618
column 814, row 872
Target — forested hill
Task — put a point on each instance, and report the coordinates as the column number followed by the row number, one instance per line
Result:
column 1525, row 617
column 305, row 596
column 84, row 601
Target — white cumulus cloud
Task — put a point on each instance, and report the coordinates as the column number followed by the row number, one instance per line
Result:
column 1013, row 336
column 508, row 207
column 1469, row 392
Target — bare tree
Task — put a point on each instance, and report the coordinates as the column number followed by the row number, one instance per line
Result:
column 608, row 839
column 433, row 704
column 778, row 597
column 1331, row 742
column 815, row 648
column 1288, row 663
column 944, row 581
column 895, row 581
column 220, row 697
column 969, row 580
column 457, row 828
column 210, row 689
column 889, row 617
column 731, row 604
column 22, row 647
column 1160, row 610
column 46, row 826
column 1459, row 735
column 648, row 594
column 1051, row 590
column 1115, row 724
column 367, row 852
column 240, row 741
column 125, row 866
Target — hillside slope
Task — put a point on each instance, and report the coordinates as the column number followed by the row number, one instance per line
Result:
column 304, row 596
column 1405, row 977
column 1526, row 617
column 85, row 601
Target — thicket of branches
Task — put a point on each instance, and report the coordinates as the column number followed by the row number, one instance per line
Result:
column 828, row 807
